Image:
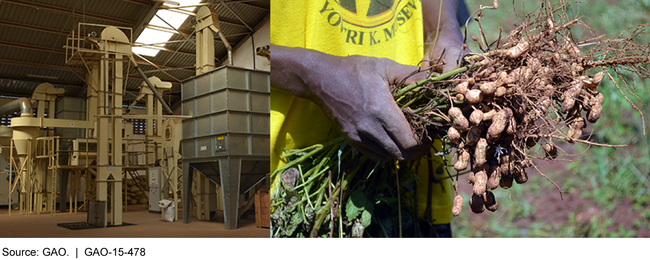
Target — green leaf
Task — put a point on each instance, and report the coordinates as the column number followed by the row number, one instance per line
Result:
column 366, row 218
column 355, row 204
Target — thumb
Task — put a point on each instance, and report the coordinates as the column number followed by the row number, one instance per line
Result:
column 405, row 74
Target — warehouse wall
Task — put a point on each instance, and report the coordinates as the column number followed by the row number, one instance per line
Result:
column 243, row 53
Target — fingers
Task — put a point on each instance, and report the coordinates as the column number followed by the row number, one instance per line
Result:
column 396, row 72
column 390, row 137
column 400, row 133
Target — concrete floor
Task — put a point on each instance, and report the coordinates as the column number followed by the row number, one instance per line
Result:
column 146, row 225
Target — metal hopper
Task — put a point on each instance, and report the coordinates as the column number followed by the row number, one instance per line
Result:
column 227, row 137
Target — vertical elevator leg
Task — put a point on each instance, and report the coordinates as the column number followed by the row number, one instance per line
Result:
column 63, row 190
column 187, row 191
column 230, row 171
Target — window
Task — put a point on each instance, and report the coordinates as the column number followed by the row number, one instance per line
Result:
column 158, row 37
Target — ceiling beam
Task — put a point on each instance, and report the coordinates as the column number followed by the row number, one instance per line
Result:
column 139, row 26
column 141, row 2
column 34, row 27
column 37, row 65
column 57, row 9
column 163, row 29
column 56, row 83
column 31, row 47
column 40, row 48
column 251, row 5
column 236, row 15
column 221, row 20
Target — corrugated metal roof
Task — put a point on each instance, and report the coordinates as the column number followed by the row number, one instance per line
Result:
column 33, row 34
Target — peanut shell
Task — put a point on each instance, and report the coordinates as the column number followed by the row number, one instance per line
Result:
column 476, row 117
column 474, row 96
column 490, row 201
column 458, row 206
column 453, row 134
column 480, row 151
column 480, row 183
column 458, row 119
column 462, row 162
column 476, row 203
column 518, row 50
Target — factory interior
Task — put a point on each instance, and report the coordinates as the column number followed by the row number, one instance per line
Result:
column 134, row 118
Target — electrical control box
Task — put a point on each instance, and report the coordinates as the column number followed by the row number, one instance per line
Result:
column 155, row 182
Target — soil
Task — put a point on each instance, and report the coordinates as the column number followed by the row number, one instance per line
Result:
column 551, row 209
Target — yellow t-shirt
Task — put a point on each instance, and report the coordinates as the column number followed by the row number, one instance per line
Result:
column 379, row 28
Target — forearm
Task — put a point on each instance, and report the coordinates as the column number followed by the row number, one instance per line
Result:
column 298, row 70
column 439, row 18
column 440, row 24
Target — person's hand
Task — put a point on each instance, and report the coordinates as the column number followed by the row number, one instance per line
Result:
column 354, row 93
column 442, row 35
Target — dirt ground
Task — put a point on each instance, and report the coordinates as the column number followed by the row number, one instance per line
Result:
column 553, row 209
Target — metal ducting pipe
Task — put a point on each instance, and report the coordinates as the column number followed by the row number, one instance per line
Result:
column 23, row 104
column 153, row 89
column 225, row 42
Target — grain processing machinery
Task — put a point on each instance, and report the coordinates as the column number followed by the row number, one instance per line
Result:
column 227, row 137
column 87, row 145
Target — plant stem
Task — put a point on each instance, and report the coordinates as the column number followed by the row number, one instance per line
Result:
column 443, row 76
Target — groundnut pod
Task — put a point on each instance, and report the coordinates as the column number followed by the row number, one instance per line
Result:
column 460, row 97
column 461, row 88
column 462, row 162
column 531, row 141
column 505, row 78
column 518, row 50
column 476, row 117
column 512, row 126
column 579, row 123
column 480, row 183
column 499, row 123
column 572, row 49
column 471, row 178
column 458, row 206
column 506, row 176
column 501, row 91
column 488, row 88
column 505, row 159
column 570, row 96
column 534, row 64
column 458, row 119
column 575, row 130
column 519, row 173
column 488, row 115
column 453, row 134
column 495, row 176
column 526, row 163
column 474, row 96
column 480, row 151
column 476, row 203
column 550, row 149
column 474, row 134
column 595, row 81
column 528, row 73
column 490, row 201
column 596, row 104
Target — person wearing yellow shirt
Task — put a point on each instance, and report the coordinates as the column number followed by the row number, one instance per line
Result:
column 333, row 62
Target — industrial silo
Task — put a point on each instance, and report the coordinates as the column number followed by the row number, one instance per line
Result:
column 227, row 136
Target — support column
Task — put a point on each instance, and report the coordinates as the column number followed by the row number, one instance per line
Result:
column 187, row 190
column 91, row 98
column 118, row 82
column 230, row 173
column 63, row 188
